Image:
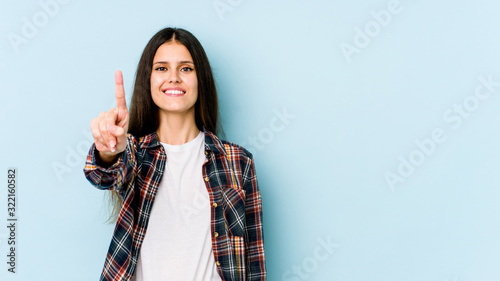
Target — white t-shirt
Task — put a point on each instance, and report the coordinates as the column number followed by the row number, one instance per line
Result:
column 177, row 245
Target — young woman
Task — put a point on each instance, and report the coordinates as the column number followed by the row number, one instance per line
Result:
column 190, row 205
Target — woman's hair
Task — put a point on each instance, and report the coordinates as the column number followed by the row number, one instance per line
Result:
column 143, row 113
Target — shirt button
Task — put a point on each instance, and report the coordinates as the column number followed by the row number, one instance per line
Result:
column 206, row 178
column 215, row 205
column 216, row 234
column 218, row 263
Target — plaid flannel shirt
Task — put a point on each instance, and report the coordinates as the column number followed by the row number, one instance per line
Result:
column 236, row 205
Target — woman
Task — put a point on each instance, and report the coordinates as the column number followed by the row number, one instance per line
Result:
column 206, row 220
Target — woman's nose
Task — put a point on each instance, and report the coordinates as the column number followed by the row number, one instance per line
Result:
column 174, row 77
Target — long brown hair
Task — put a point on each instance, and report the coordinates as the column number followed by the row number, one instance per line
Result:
column 144, row 112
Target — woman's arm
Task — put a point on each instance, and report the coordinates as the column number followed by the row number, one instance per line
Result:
column 114, row 175
column 254, row 233
column 105, row 160
column 111, row 159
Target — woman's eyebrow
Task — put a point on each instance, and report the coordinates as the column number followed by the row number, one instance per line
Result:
column 180, row 62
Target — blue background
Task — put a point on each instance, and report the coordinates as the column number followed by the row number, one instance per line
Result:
column 326, row 123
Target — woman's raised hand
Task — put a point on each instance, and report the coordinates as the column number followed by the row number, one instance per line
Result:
column 110, row 128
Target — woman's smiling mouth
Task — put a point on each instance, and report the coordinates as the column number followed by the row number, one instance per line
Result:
column 174, row 92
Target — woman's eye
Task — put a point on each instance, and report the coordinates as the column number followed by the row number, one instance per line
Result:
column 161, row 68
column 187, row 68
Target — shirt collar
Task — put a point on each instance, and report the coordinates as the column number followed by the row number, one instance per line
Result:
column 212, row 142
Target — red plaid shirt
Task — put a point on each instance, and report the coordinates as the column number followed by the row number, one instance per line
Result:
column 236, row 212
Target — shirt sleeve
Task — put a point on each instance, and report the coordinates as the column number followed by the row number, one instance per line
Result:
column 116, row 176
column 254, row 233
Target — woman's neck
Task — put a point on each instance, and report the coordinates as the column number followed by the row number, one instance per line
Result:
column 177, row 129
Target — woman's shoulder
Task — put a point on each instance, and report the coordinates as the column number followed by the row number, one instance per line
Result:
column 231, row 148
column 235, row 149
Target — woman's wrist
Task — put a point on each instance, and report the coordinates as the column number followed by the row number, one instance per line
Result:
column 107, row 159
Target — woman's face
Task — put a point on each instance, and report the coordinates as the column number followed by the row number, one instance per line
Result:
column 174, row 86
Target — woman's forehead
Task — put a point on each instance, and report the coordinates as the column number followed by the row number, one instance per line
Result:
column 172, row 52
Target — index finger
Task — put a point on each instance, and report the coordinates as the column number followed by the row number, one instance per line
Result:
column 121, row 104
